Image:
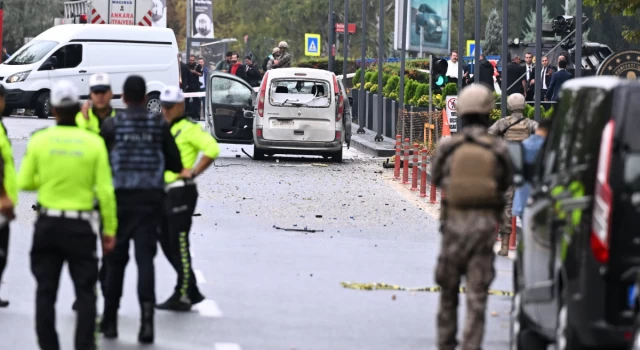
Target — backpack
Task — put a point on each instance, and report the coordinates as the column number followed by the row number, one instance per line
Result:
column 517, row 131
column 472, row 170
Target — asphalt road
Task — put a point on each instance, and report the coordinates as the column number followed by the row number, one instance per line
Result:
column 273, row 289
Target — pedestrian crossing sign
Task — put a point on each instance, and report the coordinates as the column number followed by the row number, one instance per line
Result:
column 312, row 44
column 471, row 48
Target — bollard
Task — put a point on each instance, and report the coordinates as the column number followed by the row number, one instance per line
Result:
column 423, row 174
column 405, row 167
column 414, row 162
column 512, row 236
column 396, row 165
column 432, row 193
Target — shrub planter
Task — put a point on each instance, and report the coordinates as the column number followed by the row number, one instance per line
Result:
column 388, row 118
column 370, row 102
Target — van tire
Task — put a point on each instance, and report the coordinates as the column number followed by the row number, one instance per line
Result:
column 43, row 106
column 153, row 103
column 336, row 157
column 258, row 154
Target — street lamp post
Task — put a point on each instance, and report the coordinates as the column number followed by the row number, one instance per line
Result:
column 478, row 45
column 505, row 55
column 363, row 69
column 405, row 5
column 379, row 137
column 345, row 39
column 578, row 54
column 332, row 30
column 538, row 68
column 460, row 47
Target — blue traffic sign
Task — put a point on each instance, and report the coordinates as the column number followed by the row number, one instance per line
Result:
column 312, row 44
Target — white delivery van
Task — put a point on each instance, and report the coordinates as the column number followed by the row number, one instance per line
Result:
column 76, row 51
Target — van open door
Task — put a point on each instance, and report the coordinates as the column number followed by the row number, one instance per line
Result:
column 229, row 108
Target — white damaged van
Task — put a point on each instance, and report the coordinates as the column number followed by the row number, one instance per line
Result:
column 76, row 51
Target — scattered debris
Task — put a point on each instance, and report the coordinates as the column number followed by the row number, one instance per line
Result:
column 320, row 165
column 243, row 151
column 393, row 297
column 319, row 216
column 238, row 156
column 197, row 214
column 494, row 314
column 245, row 198
column 237, row 212
column 297, row 230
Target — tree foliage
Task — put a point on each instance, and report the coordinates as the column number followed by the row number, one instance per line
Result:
column 530, row 32
column 27, row 18
column 626, row 8
column 492, row 43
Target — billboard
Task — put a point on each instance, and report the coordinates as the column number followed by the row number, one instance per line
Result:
column 428, row 26
column 159, row 13
column 202, row 19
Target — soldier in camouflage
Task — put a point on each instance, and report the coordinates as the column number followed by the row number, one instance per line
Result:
column 515, row 127
column 474, row 169
column 284, row 60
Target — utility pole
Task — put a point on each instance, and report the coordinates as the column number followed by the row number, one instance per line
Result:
column 505, row 54
column 578, row 53
column 405, row 4
column 345, row 47
column 379, row 137
column 538, row 68
column 478, row 46
column 332, row 31
column 363, row 70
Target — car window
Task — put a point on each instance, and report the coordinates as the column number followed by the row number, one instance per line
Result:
column 227, row 91
column 32, row 53
column 588, row 129
column 631, row 122
column 300, row 92
column 556, row 143
column 69, row 56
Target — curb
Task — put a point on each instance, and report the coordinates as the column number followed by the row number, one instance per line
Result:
column 371, row 148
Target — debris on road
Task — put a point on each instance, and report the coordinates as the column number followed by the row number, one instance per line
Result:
column 319, row 216
column 196, row 214
column 245, row 152
column 393, row 297
column 383, row 286
column 320, row 165
column 297, row 229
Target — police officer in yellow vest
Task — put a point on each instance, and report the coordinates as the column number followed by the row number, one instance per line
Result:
column 182, row 196
column 8, row 191
column 68, row 167
column 91, row 117
column 516, row 127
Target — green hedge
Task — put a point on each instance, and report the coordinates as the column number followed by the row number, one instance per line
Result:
column 323, row 63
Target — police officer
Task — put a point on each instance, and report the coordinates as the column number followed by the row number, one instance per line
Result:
column 141, row 148
column 474, row 169
column 515, row 127
column 68, row 166
column 8, row 191
column 284, row 59
column 182, row 196
column 91, row 117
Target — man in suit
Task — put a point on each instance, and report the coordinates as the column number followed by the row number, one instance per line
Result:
column 515, row 74
column 557, row 79
column 485, row 69
column 544, row 76
column 529, row 68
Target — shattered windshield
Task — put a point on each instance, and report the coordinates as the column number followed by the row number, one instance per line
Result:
column 300, row 92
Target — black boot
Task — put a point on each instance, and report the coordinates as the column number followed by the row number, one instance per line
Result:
column 109, row 323
column 175, row 303
column 4, row 303
column 146, row 324
column 74, row 307
column 196, row 297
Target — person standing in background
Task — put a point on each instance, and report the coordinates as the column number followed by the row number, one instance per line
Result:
column 203, row 85
column 195, row 72
column 225, row 65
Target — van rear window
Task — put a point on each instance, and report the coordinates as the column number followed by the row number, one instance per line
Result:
column 300, row 92
column 632, row 123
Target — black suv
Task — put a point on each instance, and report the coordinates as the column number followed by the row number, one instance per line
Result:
column 581, row 229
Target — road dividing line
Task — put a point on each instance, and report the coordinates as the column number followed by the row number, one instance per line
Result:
column 208, row 308
column 199, row 277
column 227, row 346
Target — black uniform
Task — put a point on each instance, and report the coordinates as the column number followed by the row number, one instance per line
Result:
column 141, row 147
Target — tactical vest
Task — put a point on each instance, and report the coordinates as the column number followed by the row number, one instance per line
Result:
column 518, row 131
column 137, row 159
column 472, row 181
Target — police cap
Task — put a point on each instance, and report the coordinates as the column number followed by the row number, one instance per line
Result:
column 171, row 95
column 475, row 99
column 100, row 82
column 64, row 94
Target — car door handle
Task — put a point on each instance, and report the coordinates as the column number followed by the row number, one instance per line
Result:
column 82, row 71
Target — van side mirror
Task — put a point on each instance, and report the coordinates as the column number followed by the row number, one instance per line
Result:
column 516, row 152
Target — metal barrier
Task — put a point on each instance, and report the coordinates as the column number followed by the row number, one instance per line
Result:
column 396, row 165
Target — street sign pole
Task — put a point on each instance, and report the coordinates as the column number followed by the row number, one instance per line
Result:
column 538, row 52
column 430, row 95
column 363, row 69
column 503, row 59
column 403, row 56
column 332, row 32
column 379, row 137
column 460, row 46
column 345, row 52
column 478, row 46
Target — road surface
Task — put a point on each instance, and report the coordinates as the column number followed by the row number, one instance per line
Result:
column 273, row 289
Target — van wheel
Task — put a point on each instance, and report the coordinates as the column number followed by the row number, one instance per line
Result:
column 258, row 154
column 43, row 106
column 153, row 103
column 565, row 336
column 522, row 338
column 336, row 157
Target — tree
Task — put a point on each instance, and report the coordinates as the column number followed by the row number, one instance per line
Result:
column 23, row 19
column 530, row 32
column 626, row 8
column 570, row 10
column 492, row 43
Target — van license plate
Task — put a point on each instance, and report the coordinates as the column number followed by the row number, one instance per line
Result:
column 279, row 123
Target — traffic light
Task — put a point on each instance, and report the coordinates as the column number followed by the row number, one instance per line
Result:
column 439, row 72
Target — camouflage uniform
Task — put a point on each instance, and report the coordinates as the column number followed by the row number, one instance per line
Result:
column 274, row 56
column 284, row 61
column 468, row 236
column 517, row 132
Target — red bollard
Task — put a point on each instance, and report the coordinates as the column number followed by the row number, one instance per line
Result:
column 396, row 165
column 512, row 236
column 414, row 161
column 432, row 193
column 423, row 174
column 405, row 168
